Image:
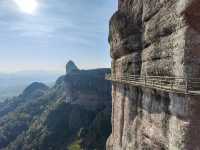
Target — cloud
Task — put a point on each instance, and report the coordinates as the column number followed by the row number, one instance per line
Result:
column 60, row 16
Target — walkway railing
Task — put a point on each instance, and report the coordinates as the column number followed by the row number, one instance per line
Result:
column 164, row 83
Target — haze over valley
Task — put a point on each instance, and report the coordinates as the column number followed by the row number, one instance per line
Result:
column 53, row 61
column 12, row 84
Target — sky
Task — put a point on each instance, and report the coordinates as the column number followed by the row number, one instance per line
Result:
column 45, row 34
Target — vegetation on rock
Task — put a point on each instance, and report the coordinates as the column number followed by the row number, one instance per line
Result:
column 40, row 118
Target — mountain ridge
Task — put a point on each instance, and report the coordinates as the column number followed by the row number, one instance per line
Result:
column 47, row 121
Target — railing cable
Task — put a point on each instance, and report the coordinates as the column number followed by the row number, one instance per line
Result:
column 175, row 84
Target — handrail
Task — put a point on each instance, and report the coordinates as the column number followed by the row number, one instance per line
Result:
column 174, row 84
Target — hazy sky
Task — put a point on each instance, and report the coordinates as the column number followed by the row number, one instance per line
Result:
column 45, row 34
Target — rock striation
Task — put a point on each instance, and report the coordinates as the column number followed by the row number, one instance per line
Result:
column 155, row 38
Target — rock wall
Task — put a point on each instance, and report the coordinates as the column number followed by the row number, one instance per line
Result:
column 157, row 38
column 88, row 88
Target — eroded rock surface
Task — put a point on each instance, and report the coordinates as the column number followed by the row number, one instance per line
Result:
column 156, row 38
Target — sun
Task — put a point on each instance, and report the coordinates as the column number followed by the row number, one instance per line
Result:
column 27, row 6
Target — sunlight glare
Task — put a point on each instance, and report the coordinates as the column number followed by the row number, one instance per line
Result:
column 27, row 6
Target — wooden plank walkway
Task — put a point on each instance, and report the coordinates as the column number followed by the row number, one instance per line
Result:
column 179, row 85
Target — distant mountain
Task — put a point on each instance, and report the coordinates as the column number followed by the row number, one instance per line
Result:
column 24, row 77
column 72, row 115
column 13, row 84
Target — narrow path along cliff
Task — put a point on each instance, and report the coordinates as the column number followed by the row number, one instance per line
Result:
column 155, row 38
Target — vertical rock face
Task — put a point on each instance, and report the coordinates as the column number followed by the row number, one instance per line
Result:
column 88, row 88
column 157, row 38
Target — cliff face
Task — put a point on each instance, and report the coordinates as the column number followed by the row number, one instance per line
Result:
column 155, row 38
column 88, row 91
column 88, row 88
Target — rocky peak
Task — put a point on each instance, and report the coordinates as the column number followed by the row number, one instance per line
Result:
column 71, row 67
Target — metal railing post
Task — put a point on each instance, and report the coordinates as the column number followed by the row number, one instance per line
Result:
column 153, row 82
column 161, row 83
column 186, row 85
column 171, row 84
